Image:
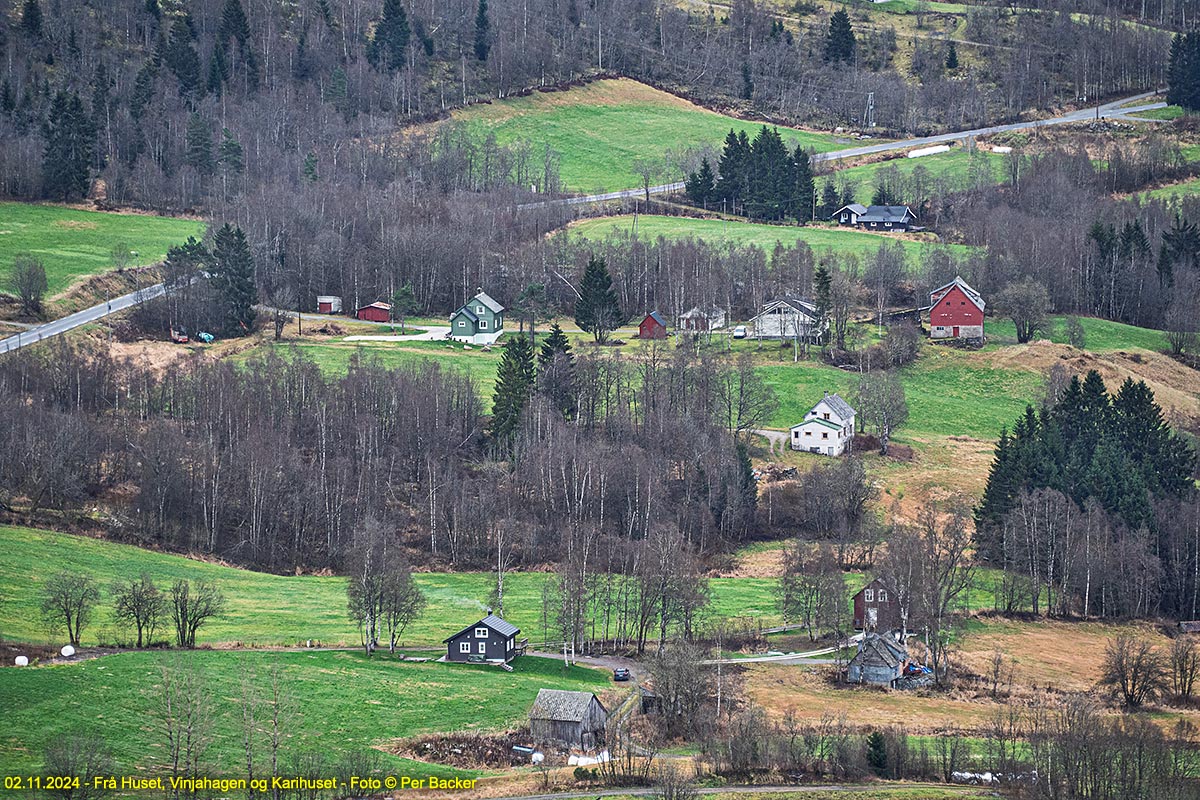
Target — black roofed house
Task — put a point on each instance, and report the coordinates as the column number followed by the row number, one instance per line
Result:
column 491, row 639
column 573, row 719
column 887, row 218
column 880, row 660
column 849, row 214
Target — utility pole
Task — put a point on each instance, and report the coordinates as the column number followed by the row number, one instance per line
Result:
column 869, row 116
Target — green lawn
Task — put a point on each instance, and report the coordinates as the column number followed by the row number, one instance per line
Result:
column 73, row 243
column 598, row 130
column 1188, row 188
column 956, row 167
column 820, row 239
column 342, row 703
column 266, row 609
column 910, row 7
column 1100, row 335
column 1167, row 113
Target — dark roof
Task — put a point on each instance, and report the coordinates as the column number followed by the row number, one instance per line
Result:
column 972, row 295
column 562, row 706
column 484, row 298
column 657, row 318
column 872, row 582
column 887, row 214
column 1190, row 626
column 467, row 312
column 840, row 406
column 855, row 208
column 888, row 650
column 500, row 626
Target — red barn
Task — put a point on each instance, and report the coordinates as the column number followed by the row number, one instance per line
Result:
column 375, row 312
column 956, row 312
column 653, row 327
column 875, row 608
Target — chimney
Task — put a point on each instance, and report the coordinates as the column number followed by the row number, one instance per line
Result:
column 489, row 611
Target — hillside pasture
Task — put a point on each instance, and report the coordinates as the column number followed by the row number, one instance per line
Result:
column 339, row 703
column 600, row 129
column 821, row 239
column 957, row 169
column 74, row 244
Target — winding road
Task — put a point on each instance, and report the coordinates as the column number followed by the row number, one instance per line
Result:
column 54, row 328
column 1111, row 110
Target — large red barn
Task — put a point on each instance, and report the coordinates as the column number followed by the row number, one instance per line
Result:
column 375, row 312
column 956, row 312
column 653, row 327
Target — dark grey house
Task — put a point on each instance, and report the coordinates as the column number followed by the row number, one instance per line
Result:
column 887, row 218
column 491, row 639
column 849, row 214
column 572, row 719
column 880, row 660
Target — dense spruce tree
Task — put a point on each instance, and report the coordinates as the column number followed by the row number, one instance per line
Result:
column 1183, row 71
column 199, row 155
column 701, row 184
column 830, row 200
column 515, row 379
column 70, row 138
column 182, row 59
column 218, row 70
column 597, row 311
column 733, row 181
column 230, row 155
column 839, row 41
column 771, row 178
column 822, row 295
column 804, row 188
column 234, row 24
column 952, row 56
column 747, row 82
column 387, row 49
column 483, row 42
column 232, row 273
column 31, row 18
column 556, row 372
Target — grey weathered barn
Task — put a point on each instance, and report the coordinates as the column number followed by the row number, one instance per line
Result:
column 572, row 719
column 880, row 660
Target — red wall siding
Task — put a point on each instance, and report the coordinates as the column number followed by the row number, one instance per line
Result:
column 649, row 329
column 955, row 308
column 373, row 314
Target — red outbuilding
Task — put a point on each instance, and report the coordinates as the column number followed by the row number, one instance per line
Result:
column 875, row 608
column 375, row 312
column 956, row 312
column 653, row 327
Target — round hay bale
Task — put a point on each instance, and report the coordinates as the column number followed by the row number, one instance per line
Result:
column 67, row 651
column 22, row 661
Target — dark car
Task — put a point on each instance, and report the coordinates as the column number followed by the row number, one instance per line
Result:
column 621, row 674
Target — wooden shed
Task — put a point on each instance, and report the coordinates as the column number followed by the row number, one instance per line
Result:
column 571, row 719
column 375, row 312
column 653, row 327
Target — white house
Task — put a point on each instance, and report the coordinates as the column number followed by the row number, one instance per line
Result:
column 789, row 318
column 828, row 427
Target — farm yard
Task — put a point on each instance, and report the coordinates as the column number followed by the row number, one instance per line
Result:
column 75, row 244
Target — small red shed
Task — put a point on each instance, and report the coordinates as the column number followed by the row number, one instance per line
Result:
column 956, row 312
column 653, row 327
column 375, row 312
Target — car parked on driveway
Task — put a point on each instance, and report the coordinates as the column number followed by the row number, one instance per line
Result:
column 621, row 674
column 739, row 332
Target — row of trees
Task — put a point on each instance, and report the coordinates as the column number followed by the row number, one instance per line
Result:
column 138, row 605
column 761, row 179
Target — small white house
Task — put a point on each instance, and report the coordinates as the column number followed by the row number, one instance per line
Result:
column 827, row 429
column 789, row 318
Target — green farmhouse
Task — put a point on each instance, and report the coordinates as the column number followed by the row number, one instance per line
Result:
column 478, row 321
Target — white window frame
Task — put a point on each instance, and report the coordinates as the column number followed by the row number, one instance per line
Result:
column 483, row 648
column 481, row 633
column 478, row 309
column 508, row 644
column 882, row 596
column 462, row 323
column 483, row 324
column 869, row 595
column 464, row 647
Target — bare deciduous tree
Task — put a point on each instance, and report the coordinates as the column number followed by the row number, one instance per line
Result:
column 192, row 606
column 811, row 586
column 1133, row 670
column 79, row 756
column 1026, row 303
column 1184, row 662
column 138, row 602
column 881, row 404
column 67, row 601
column 29, row 279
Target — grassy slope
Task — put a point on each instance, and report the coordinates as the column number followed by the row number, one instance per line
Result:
column 75, row 243
column 955, row 167
column 820, row 239
column 1101, row 336
column 284, row 609
column 343, row 703
column 598, row 130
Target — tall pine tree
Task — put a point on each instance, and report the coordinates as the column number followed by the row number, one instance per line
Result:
column 232, row 275
column 597, row 311
column 482, row 31
column 733, row 182
column 31, row 18
column 839, row 41
column 199, row 155
column 515, row 378
column 70, row 139
column 556, row 372
column 389, row 46
column 805, row 189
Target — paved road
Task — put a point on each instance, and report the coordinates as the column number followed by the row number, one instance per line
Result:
column 1105, row 111
column 51, row 329
column 436, row 333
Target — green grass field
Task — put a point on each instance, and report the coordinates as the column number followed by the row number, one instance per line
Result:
column 73, row 244
column 820, row 239
column 1188, row 188
column 1100, row 335
column 341, row 702
column 1167, row 113
column 600, row 129
column 958, row 168
column 266, row 609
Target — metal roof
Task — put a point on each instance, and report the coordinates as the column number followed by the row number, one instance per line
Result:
column 500, row 626
column 890, row 652
column 483, row 297
column 819, row 421
column 887, row 214
column 972, row 295
column 467, row 312
column 657, row 318
column 560, row 705
column 854, row 208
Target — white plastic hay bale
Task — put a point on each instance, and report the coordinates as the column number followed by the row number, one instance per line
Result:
column 67, row 651
column 22, row 661
column 537, row 758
